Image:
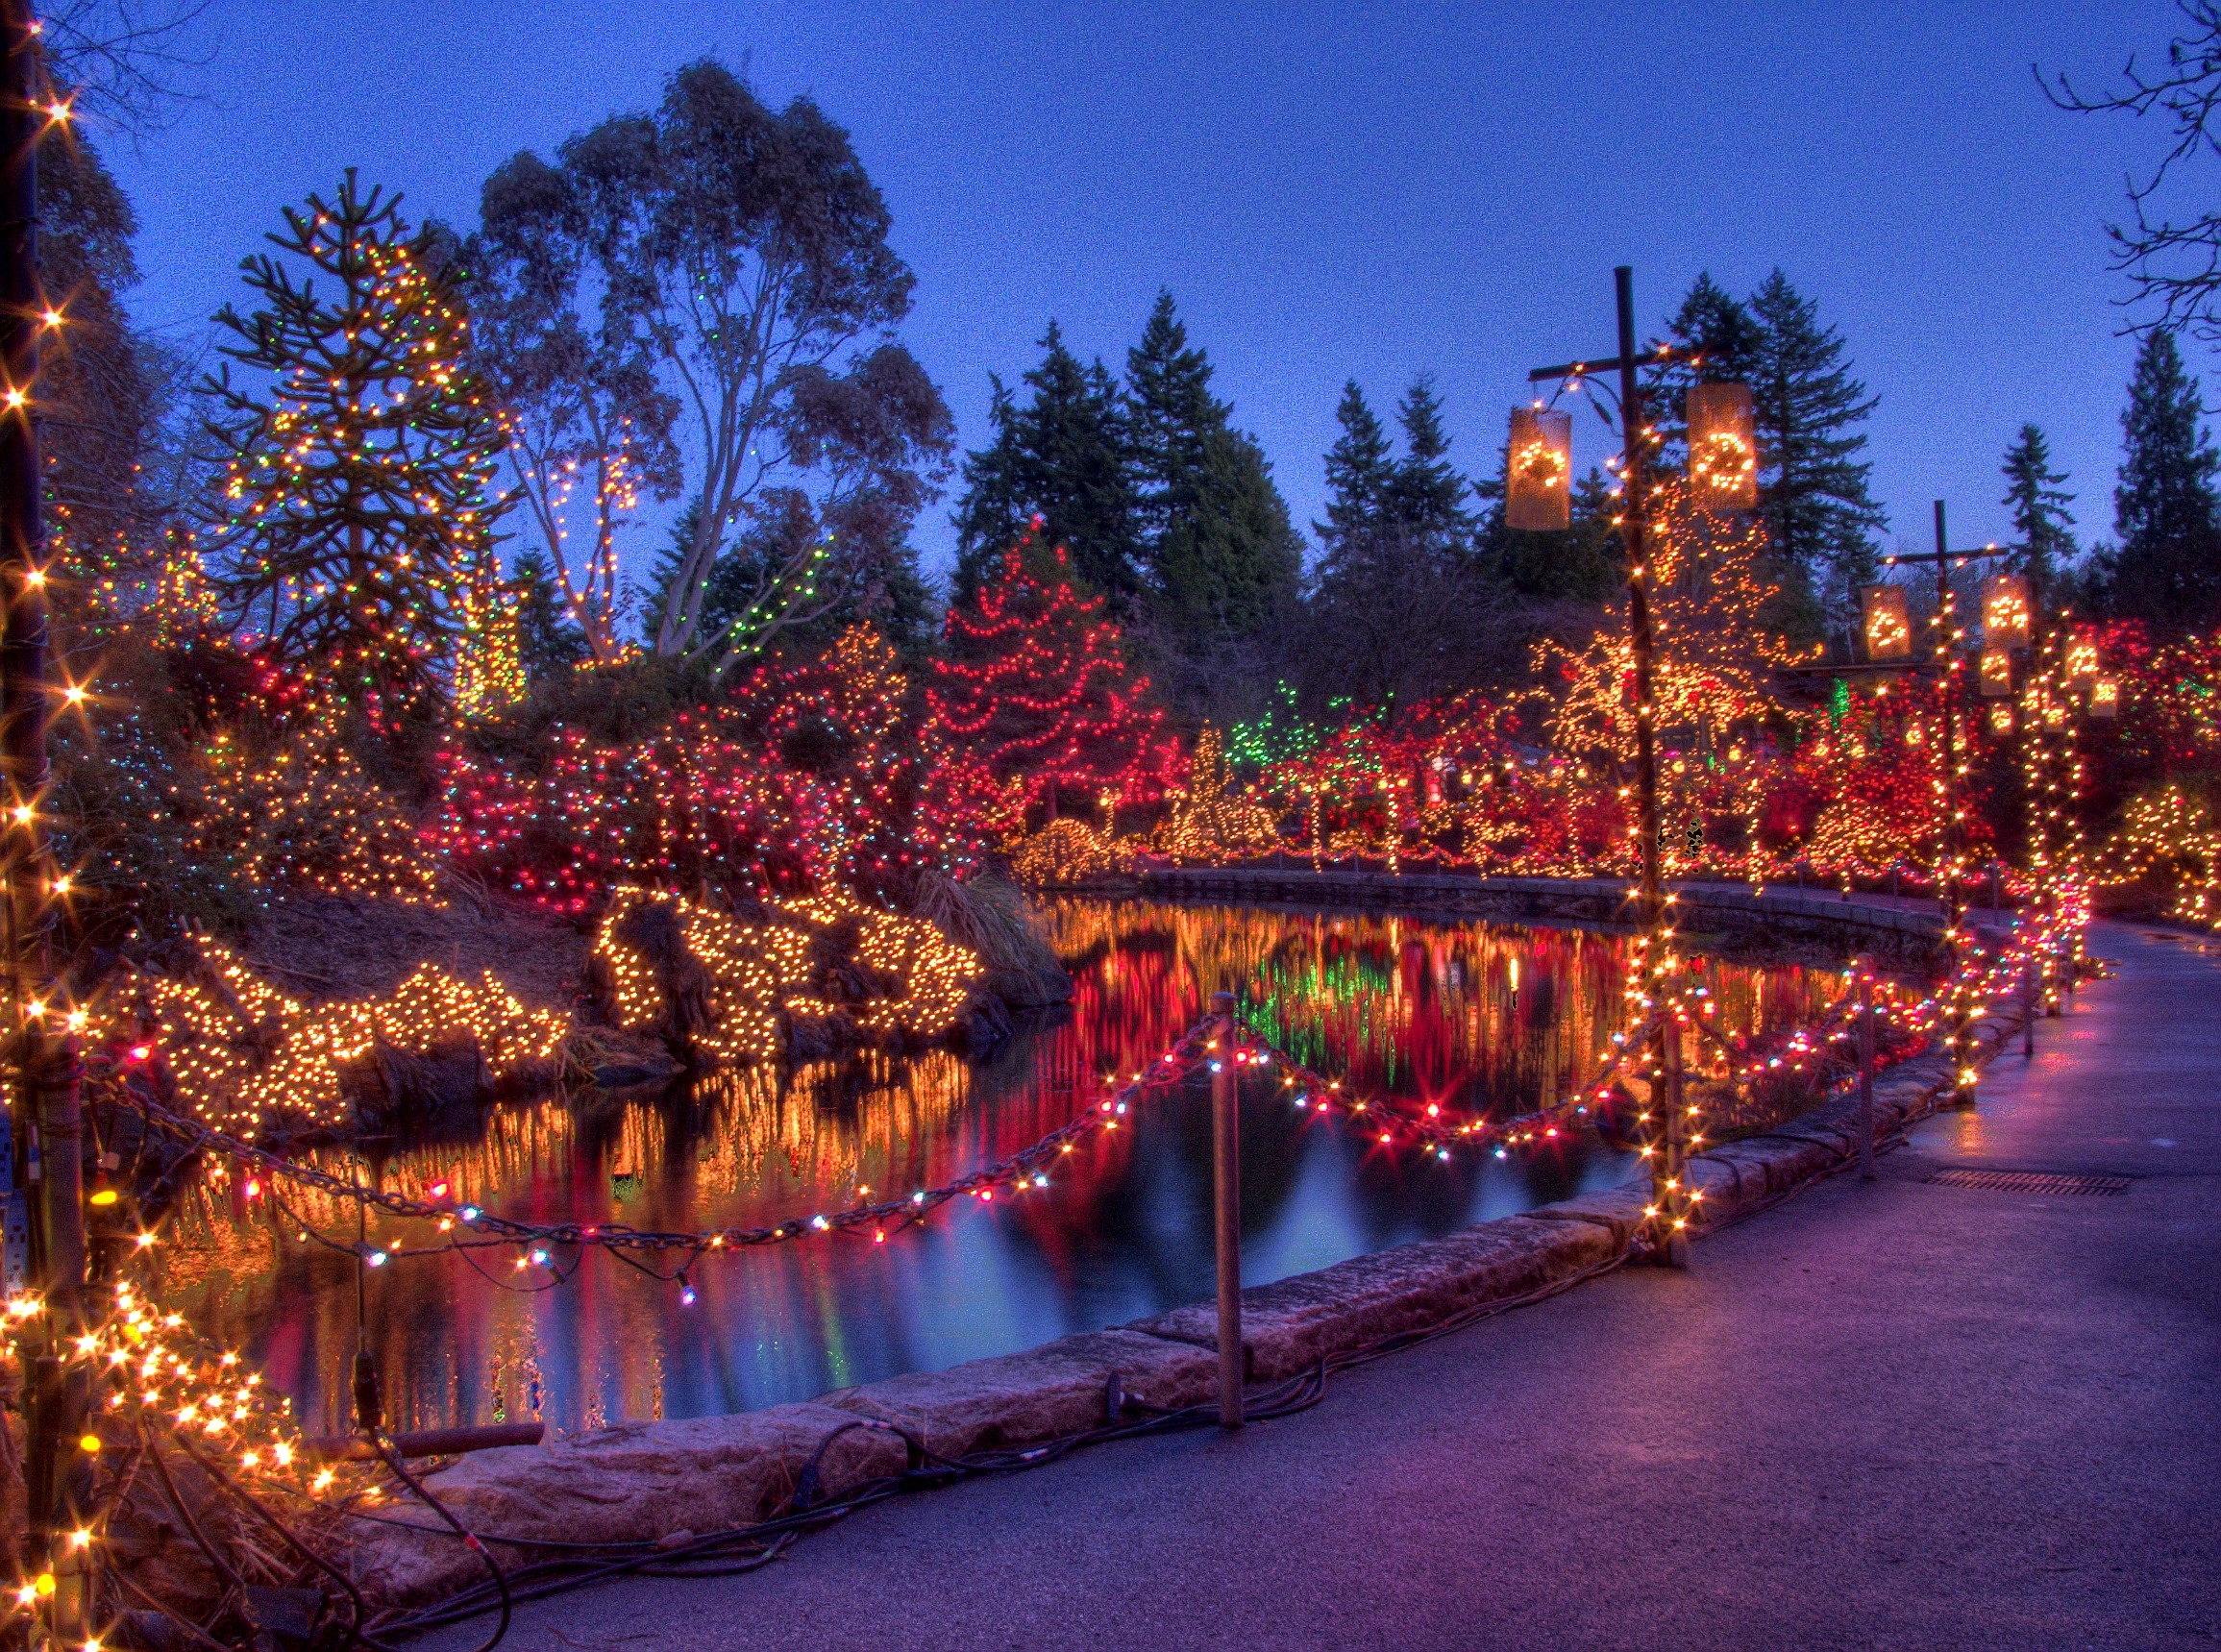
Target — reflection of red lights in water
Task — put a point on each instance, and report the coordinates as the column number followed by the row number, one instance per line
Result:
column 1454, row 1014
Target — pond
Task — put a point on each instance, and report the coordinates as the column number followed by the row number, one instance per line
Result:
column 1479, row 1016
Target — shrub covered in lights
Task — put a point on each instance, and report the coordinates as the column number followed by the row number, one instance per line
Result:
column 242, row 1054
column 799, row 977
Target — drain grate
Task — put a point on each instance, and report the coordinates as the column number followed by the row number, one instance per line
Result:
column 2029, row 1181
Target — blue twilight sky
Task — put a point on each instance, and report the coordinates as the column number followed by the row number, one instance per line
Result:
column 1330, row 191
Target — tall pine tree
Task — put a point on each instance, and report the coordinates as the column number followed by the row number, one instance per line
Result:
column 1067, row 457
column 1402, row 608
column 1360, row 473
column 1812, row 482
column 2039, row 511
column 1426, row 496
column 1222, row 552
column 2169, row 569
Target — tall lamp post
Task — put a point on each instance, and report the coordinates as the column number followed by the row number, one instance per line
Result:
column 1945, row 656
column 1537, row 495
column 2012, row 625
column 47, row 1105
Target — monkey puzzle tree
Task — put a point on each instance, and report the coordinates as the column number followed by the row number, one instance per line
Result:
column 355, row 516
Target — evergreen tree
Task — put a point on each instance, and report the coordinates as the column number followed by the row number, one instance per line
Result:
column 2039, row 513
column 1401, row 608
column 1221, row 551
column 2169, row 569
column 1173, row 412
column 1812, row 482
column 1034, row 685
column 1232, row 559
column 1582, row 564
column 548, row 638
column 356, row 483
column 1066, row 459
column 1425, row 493
column 1360, row 474
column 105, row 388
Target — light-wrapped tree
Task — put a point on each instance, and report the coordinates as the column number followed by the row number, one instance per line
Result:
column 356, row 510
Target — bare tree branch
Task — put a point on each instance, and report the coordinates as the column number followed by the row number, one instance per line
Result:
column 2175, row 264
column 121, row 59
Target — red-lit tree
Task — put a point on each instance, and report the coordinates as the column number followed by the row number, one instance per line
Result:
column 1036, row 685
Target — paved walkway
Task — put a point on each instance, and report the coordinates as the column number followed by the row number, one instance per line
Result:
column 1884, row 1414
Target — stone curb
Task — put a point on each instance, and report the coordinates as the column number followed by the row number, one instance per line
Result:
column 636, row 1482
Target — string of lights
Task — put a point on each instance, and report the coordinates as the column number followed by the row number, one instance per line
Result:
column 461, row 1223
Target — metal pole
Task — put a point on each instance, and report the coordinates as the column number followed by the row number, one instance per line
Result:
column 47, row 1105
column 2028, row 1006
column 1227, row 1208
column 1866, row 969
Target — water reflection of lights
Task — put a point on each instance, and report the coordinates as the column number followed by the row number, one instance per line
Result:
column 1485, row 1018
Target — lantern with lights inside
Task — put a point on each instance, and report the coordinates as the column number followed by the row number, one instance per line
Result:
column 1888, row 624
column 1996, row 672
column 2105, row 698
column 2001, row 719
column 2006, row 618
column 1538, row 472
column 1723, row 451
column 2082, row 657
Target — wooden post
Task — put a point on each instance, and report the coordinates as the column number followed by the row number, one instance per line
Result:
column 1948, row 891
column 1671, row 1171
column 1668, row 1192
column 1866, row 969
column 1226, row 1207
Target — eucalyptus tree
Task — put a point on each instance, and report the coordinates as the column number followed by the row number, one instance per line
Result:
column 741, row 251
column 589, row 423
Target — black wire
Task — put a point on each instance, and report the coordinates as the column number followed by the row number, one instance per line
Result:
column 500, row 1580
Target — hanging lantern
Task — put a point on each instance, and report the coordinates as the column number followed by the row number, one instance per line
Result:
column 1889, row 626
column 2001, row 719
column 1538, row 472
column 1996, row 672
column 2005, row 620
column 1723, row 450
column 2082, row 660
column 2105, row 698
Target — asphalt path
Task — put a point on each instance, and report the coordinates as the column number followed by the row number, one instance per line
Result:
column 1890, row 1415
